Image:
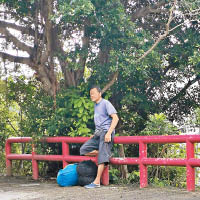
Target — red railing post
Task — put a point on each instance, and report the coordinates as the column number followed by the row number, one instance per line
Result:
column 105, row 176
column 65, row 152
column 34, row 164
column 8, row 162
column 190, row 170
column 143, row 168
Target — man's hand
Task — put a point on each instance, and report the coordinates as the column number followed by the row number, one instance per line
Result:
column 91, row 136
column 107, row 137
column 114, row 122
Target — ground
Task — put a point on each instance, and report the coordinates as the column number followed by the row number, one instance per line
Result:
column 23, row 188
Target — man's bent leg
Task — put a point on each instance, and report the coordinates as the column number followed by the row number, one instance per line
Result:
column 89, row 148
column 92, row 153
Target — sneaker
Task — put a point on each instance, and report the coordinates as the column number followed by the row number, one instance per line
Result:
column 92, row 185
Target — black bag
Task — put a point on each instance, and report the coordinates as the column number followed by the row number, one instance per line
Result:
column 87, row 171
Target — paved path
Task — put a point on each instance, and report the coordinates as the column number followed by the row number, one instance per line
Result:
column 19, row 188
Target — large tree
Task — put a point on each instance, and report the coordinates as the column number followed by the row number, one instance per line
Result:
column 127, row 41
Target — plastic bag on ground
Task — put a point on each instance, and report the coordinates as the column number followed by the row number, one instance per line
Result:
column 87, row 171
column 68, row 176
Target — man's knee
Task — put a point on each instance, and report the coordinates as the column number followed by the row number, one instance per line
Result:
column 82, row 151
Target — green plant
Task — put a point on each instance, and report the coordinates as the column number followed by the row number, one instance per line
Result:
column 134, row 177
column 114, row 175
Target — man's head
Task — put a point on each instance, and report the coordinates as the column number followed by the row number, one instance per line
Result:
column 95, row 93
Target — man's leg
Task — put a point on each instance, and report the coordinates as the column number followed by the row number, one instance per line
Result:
column 103, row 157
column 96, row 182
column 99, row 173
column 92, row 153
column 89, row 148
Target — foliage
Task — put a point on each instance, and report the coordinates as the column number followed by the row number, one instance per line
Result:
column 133, row 177
column 28, row 111
column 159, row 125
column 197, row 116
column 162, row 176
column 9, row 119
column 72, row 115
column 106, row 36
column 114, row 175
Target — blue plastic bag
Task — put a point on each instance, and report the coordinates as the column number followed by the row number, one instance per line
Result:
column 68, row 176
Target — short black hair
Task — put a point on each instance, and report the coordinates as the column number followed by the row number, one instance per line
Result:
column 97, row 87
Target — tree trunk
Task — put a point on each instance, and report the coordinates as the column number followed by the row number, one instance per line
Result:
column 123, row 168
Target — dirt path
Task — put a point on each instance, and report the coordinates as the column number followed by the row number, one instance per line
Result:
column 20, row 188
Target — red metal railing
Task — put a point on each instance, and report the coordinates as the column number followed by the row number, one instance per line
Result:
column 190, row 162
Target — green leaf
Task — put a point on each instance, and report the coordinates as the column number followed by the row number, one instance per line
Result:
column 81, row 110
column 85, row 118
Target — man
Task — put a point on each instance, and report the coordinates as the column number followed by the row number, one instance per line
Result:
column 105, row 119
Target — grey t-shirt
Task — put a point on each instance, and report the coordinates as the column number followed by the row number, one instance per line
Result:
column 102, row 112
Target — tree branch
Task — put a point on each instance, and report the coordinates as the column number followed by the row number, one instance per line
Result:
column 24, row 30
column 181, row 93
column 16, row 131
column 22, row 46
column 16, row 59
column 183, row 24
column 115, row 75
column 51, row 37
column 163, row 35
column 148, row 10
column 83, row 55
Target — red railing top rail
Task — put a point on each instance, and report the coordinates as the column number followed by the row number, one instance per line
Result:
column 117, row 139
